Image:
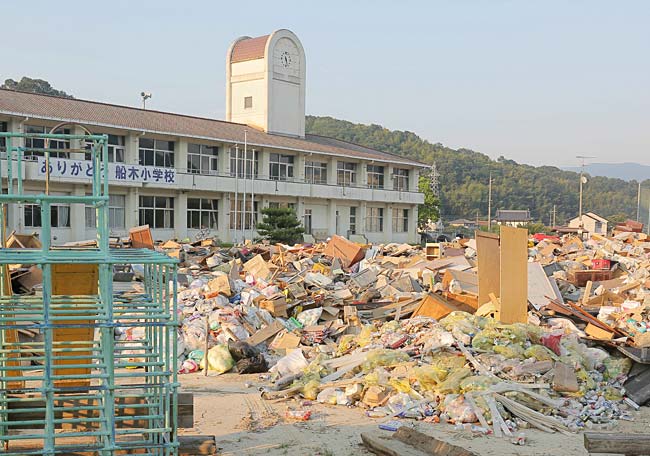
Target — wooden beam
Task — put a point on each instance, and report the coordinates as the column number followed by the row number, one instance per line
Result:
column 514, row 290
column 487, row 252
column 617, row 443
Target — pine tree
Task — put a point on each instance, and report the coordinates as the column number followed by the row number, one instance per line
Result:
column 280, row 225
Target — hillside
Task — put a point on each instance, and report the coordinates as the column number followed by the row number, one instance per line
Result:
column 465, row 175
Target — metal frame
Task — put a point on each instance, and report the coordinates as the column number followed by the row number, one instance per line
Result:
column 129, row 400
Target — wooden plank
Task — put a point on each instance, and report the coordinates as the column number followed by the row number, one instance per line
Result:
column 384, row 445
column 587, row 293
column 514, row 290
column 74, row 279
column 429, row 444
column 617, row 443
column 487, row 252
column 598, row 333
column 436, row 307
column 564, row 378
column 265, row 333
column 539, row 286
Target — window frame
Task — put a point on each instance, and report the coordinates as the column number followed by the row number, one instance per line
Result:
column 352, row 226
column 248, row 105
column 155, row 155
column 237, row 166
column 375, row 175
column 312, row 168
column 281, row 166
column 161, row 209
column 59, row 218
column 374, row 219
column 346, row 173
column 401, row 179
column 206, row 207
column 211, row 159
column 251, row 218
column 112, row 148
column 400, row 220
column 54, row 143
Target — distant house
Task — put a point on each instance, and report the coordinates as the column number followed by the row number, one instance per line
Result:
column 512, row 217
column 591, row 223
column 463, row 223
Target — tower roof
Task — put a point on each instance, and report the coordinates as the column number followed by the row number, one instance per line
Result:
column 248, row 48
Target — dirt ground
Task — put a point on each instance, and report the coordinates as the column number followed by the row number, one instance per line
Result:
column 230, row 407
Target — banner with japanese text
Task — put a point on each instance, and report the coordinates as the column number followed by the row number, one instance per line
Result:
column 82, row 169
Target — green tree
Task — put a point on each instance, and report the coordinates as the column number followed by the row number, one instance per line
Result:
column 35, row 86
column 430, row 210
column 280, row 224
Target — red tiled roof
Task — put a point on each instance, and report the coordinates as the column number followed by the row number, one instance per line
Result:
column 91, row 113
column 249, row 49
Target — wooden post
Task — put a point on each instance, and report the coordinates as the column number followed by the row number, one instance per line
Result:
column 514, row 271
column 487, row 252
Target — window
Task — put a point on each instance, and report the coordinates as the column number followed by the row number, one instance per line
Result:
column 315, row 172
column 202, row 213
column 157, row 211
column 237, row 161
column 346, row 173
column 400, row 220
column 237, row 217
column 282, row 205
column 353, row 220
column 116, row 149
column 375, row 220
column 154, row 152
column 116, row 204
column 202, row 159
column 375, row 176
column 59, row 216
column 400, row 179
column 281, row 167
column 248, row 102
column 39, row 143
column 3, row 141
column 307, row 221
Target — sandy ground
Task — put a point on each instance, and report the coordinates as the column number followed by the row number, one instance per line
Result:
column 223, row 406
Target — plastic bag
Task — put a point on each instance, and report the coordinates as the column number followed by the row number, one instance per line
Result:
column 365, row 336
column 540, row 353
column 241, row 350
column 477, row 383
column 384, row 357
column 459, row 410
column 428, row 376
column 509, row 351
column 346, row 342
column 219, row 359
column 310, row 317
column 452, row 382
column 293, row 363
column 253, row 365
column 616, row 367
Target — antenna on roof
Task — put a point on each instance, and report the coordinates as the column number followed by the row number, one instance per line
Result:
column 145, row 96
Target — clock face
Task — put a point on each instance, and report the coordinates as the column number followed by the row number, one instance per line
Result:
column 285, row 59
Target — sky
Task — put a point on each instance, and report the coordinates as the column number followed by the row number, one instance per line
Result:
column 539, row 82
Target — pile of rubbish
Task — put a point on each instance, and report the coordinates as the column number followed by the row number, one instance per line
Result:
column 399, row 331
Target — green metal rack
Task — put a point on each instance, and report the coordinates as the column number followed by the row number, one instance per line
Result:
column 92, row 396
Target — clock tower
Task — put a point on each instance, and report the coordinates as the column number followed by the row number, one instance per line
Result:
column 265, row 83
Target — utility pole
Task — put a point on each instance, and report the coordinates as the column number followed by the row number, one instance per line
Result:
column 490, row 203
column 582, row 181
column 554, row 213
column 638, row 202
column 236, row 234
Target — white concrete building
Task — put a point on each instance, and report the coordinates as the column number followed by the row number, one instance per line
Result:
column 590, row 223
column 180, row 173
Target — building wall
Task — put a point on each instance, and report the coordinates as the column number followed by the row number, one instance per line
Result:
column 329, row 203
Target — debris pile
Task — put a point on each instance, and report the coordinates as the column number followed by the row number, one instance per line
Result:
column 402, row 332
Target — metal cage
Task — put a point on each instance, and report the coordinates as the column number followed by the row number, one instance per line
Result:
column 77, row 388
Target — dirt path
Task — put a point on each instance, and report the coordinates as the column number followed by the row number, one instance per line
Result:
column 244, row 424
